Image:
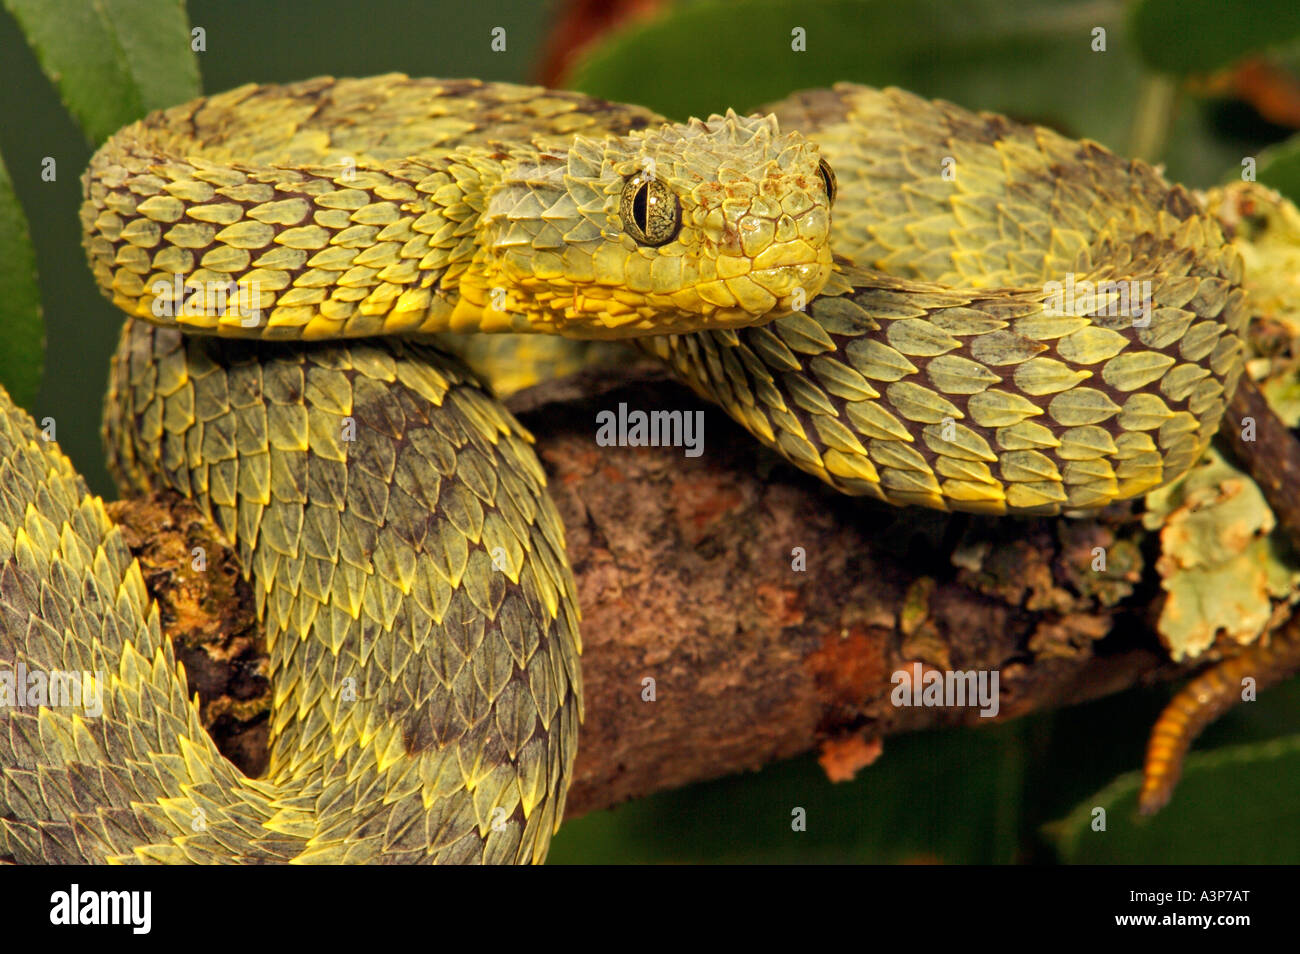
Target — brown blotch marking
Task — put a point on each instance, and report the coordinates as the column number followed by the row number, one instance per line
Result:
column 417, row 733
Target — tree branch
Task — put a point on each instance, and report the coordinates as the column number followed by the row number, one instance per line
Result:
column 689, row 575
column 1271, row 455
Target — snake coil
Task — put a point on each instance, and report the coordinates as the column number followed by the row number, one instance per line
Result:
column 408, row 566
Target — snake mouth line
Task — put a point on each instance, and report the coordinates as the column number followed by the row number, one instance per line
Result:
column 787, row 282
column 604, row 311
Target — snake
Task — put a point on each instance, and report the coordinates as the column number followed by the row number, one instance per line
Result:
column 870, row 282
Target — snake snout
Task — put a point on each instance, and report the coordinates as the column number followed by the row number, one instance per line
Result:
column 773, row 249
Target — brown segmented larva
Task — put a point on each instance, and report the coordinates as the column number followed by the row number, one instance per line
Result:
column 1201, row 702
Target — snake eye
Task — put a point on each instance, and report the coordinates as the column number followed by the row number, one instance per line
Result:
column 828, row 178
column 650, row 210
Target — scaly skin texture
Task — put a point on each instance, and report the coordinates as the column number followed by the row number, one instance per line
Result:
column 409, row 568
column 426, row 702
column 933, row 374
column 456, row 206
column 410, row 571
column 128, row 783
column 419, row 612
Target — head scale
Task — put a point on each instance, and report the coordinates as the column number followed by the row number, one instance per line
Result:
column 698, row 225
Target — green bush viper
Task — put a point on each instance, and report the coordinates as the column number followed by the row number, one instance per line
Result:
column 409, row 568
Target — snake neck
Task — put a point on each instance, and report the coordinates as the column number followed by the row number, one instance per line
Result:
column 314, row 253
column 266, row 214
column 530, row 238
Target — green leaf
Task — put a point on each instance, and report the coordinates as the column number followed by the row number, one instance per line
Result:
column 1234, row 805
column 1033, row 61
column 953, row 797
column 112, row 60
column 1279, row 168
column 1198, row 36
column 22, row 333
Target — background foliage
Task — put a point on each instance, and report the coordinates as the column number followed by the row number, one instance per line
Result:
column 1164, row 88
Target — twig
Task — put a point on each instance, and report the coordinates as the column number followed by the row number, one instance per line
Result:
column 1268, row 451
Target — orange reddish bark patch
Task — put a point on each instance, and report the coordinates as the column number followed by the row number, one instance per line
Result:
column 848, row 669
column 706, row 504
column 573, row 466
column 842, row 757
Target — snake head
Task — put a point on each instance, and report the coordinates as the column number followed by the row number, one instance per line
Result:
column 707, row 224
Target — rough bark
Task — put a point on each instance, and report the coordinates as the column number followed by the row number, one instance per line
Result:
column 1265, row 447
column 687, row 571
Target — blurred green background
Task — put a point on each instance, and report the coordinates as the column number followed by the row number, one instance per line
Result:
column 1166, row 86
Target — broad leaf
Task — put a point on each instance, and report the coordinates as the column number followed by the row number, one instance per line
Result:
column 112, row 60
column 22, row 333
column 1234, row 805
column 1199, row 36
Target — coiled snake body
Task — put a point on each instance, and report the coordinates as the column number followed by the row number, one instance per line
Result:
column 419, row 611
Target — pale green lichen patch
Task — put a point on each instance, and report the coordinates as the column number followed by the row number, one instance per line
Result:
column 1225, row 576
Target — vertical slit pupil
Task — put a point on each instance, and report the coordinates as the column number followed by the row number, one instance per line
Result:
column 639, row 207
column 828, row 178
